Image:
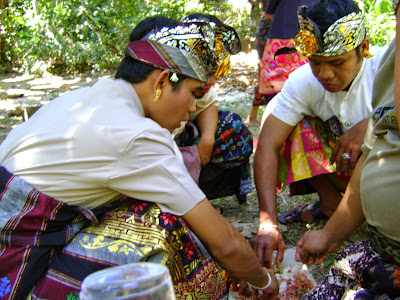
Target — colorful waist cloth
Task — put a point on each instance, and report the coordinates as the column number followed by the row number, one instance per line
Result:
column 362, row 272
column 275, row 69
column 228, row 171
column 261, row 99
column 306, row 153
column 49, row 246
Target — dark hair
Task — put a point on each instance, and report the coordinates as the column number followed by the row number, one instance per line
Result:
column 135, row 71
column 205, row 17
column 358, row 52
column 325, row 12
column 149, row 24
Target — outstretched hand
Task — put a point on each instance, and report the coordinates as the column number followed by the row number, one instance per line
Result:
column 265, row 242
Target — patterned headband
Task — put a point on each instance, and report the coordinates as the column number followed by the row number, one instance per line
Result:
column 344, row 35
column 227, row 42
column 185, row 49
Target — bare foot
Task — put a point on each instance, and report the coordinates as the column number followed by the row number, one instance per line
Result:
column 249, row 121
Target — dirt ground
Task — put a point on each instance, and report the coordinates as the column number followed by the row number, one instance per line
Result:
column 20, row 95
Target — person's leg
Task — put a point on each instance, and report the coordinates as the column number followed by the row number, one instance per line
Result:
column 329, row 196
column 252, row 117
column 329, row 199
column 228, row 171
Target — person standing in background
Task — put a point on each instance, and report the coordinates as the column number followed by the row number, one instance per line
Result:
column 275, row 66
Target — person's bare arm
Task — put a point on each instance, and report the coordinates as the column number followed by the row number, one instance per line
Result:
column 350, row 142
column 315, row 245
column 207, row 122
column 273, row 134
column 227, row 246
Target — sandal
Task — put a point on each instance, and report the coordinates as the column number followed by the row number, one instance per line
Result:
column 294, row 215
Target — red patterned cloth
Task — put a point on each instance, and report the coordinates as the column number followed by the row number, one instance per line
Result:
column 275, row 69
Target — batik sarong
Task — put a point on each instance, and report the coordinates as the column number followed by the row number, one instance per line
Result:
column 275, row 67
column 47, row 247
column 307, row 151
column 228, row 172
column 32, row 226
column 367, row 270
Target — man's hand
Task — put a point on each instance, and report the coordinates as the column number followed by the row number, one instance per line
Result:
column 265, row 242
column 314, row 246
column 245, row 291
column 350, row 142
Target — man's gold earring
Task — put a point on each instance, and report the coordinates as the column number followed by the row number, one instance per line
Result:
column 158, row 94
column 366, row 54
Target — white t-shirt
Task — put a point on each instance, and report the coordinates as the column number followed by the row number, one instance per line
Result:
column 93, row 144
column 303, row 95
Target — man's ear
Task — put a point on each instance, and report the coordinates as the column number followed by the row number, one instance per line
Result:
column 364, row 45
column 161, row 80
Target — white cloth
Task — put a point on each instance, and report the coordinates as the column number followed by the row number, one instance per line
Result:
column 303, row 95
column 93, row 144
column 379, row 185
column 210, row 98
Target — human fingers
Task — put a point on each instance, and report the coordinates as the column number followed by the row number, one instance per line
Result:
column 355, row 154
column 273, row 289
column 339, row 161
column 345, row 167
column 258, row 247
column 234, row 285
column 298, row 249
column 334, row 153
column 267, row 262
column 303, row 252
column 321, row 257
column 242, row 287
column 280, row 254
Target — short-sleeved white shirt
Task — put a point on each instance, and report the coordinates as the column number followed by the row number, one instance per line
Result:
column 93, row 144
column 303, row 95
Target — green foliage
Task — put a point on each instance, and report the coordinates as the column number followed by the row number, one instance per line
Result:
column 78, row 36
column 380, row 20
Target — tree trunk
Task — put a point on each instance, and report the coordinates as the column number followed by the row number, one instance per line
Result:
column 255, row 12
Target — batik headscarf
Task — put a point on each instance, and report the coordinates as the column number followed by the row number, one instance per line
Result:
column 344, row 35
column 227, row 42
column 187, row 49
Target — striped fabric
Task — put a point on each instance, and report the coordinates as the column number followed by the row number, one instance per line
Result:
column 168, row 58
column 48, row 247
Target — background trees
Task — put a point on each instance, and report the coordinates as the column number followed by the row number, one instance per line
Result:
column 66, row 36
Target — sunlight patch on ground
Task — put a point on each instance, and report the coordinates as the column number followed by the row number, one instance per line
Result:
column 242, row 58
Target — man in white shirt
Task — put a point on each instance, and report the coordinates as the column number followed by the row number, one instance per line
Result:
column 335, row 85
